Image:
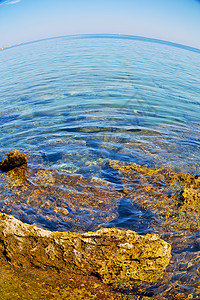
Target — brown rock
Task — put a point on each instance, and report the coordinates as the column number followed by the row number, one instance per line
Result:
column 14, row 159
column 111, row 254
column 174, row 197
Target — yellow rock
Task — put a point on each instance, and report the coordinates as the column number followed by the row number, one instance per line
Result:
column 111, row 254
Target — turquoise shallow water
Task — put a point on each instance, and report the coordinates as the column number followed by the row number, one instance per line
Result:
column 75, row 103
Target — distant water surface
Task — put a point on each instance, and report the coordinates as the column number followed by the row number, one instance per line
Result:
column 137, row 99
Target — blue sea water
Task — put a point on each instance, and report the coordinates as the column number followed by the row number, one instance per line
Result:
column 75, row 103
column 116, row 98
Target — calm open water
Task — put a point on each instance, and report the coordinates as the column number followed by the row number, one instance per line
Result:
column 73, row 104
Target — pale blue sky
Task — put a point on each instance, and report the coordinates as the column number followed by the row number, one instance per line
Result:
column 171, row 20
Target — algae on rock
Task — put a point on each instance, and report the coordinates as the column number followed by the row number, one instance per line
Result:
column 173, row 197
column 14, row 159
column 79, row 203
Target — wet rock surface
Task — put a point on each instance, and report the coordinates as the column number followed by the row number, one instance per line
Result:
column 110, row 254
column 14, row 159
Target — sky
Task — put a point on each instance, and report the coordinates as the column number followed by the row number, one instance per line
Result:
column 176, row 21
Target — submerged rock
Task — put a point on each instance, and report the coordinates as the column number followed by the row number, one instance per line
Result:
column 191, row 193
column 173, row 197
column 14, row 159
column 76, row 203
column 111, row 254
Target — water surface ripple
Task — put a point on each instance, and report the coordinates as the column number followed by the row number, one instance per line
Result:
column 76, row 105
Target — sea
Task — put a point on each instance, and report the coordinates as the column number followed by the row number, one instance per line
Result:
column 86, row 108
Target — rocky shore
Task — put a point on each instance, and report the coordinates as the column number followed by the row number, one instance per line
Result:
column 107, row 256
column 110, row 254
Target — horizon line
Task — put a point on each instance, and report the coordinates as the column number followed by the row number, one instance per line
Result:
column 110, row 35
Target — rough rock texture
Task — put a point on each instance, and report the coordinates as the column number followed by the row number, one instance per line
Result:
column 42, row 284
column 14, row 159
column 111, row 254
column 191, row 193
